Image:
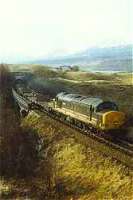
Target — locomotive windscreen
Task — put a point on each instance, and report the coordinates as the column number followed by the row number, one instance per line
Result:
column 107, row 106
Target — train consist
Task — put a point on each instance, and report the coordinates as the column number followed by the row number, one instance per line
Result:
column 81, row 111
column 84, row 112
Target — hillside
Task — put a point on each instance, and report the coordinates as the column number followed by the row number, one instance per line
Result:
column 71, row 167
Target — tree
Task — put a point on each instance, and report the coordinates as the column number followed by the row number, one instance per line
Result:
column 75, row 68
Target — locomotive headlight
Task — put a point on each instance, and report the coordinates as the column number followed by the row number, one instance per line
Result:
column 116, row 122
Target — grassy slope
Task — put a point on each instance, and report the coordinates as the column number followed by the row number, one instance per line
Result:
column 117, row 78
column 70, row 169
column 79, row 171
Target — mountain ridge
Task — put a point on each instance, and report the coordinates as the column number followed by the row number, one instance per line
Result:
column 116, row 58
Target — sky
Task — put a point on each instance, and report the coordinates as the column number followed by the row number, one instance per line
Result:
column 31, row 29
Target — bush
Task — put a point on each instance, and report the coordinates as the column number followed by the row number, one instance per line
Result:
column 44, row 72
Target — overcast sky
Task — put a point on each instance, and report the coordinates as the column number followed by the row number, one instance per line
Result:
column 37, row 28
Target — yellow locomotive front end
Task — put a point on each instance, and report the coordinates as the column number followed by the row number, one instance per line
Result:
column 112, row 120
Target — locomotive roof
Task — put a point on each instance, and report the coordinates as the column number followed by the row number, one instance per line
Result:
column 75, row 98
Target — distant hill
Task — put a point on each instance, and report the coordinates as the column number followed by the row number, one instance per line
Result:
column 117, row 58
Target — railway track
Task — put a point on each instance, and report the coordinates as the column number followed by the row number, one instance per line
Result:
column 124, row 149
column 115, row 151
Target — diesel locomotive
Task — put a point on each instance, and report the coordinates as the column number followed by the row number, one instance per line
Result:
column 82, row 110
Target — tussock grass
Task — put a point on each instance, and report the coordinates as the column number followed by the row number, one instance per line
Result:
column 68, row 168
column 107, row 78
column 77, row 171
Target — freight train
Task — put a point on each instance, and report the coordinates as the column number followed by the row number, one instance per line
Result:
column 84, row 111
column 81, row 111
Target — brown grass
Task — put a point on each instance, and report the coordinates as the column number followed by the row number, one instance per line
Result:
column 70, row 169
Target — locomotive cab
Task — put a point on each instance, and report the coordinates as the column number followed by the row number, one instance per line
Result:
column 111, row 117
column 112, row 120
